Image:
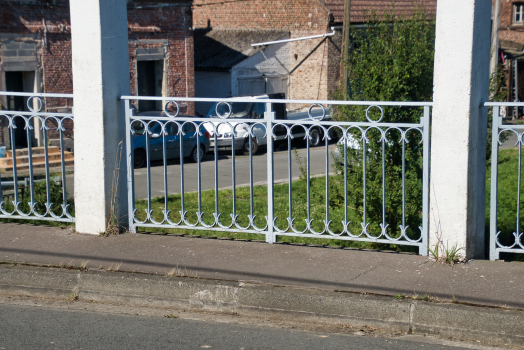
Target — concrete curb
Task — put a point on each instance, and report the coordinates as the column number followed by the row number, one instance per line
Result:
column 493, row 326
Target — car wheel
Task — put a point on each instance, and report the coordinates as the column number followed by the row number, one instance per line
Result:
column 314, row 138
column 139, row 158
column 254, row 146
column 193, row 157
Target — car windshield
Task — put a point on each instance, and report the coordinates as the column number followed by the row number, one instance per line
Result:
column 240, row 109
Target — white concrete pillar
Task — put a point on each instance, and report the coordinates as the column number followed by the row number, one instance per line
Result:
column 458, row 134
column 100, row 77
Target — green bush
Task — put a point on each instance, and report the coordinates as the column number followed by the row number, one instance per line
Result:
column 391, row 60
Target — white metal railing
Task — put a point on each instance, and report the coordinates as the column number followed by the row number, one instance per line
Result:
column 378, row 149
column 502, row 238
column 45, row 209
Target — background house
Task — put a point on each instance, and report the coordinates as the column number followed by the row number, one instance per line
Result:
column 35, row 54
column 511, row 51
column 305, row 69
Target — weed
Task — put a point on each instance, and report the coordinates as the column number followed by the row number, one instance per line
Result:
column 301, row 165
column 426, row 297
column 414, row 297
column 15, row 263
column 170, row 315
column 113, row 224
column 100, row 266
column 83, row 266
column 400, row 296
column 178, row 272
column 445, row 255
column 73, row 296
column 116, row 268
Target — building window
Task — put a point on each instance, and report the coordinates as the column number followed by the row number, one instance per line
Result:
column 518, row 13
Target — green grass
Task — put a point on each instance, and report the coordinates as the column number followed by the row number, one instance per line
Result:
column 41, row 198
column 243, row 209
column 506, row 200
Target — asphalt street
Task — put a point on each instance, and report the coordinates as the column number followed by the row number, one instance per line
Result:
column 42, row 327
column 225, row 171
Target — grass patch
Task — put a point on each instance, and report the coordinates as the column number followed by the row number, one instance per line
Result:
column 243, row 209
column 506, row 201
column 40, row 195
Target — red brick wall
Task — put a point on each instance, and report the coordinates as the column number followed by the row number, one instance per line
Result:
column 312, row 64
column 171, row 22
column 508, row 30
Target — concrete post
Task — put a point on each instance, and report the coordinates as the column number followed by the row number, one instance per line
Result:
column 459, row 125
column 100, row 77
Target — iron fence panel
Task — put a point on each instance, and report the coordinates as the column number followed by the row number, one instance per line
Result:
column 502, row 240
column 34, row 210
column 357, row 137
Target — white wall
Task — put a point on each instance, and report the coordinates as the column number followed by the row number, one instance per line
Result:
column 271, row 61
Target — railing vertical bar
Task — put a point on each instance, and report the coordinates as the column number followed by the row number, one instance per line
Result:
column 216, row 172
column 404, row 180
column 290, row 180
column 270, row 117
column 495, row 125
column 130, row 168
column 30, row 158
column 251, row 176
column 364, row 157
column 182, row 191
column 233, row 170
column 384, row 181
column 148, row 173
column 345, row 142
column 308, row 178
column 517, row 225
column 15, row 172
column 327, row 179
column 46, row 160
column 164, row 163
column 426, row 141
column 62, row 163
column 199, row 173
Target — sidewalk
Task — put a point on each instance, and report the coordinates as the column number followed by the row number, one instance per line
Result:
column 316, row 270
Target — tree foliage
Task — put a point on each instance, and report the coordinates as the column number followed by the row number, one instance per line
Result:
column 391, row 60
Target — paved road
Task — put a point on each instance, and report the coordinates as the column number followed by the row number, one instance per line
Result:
column 318, row 166
column 33, row 327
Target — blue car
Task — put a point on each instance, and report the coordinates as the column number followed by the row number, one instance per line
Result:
column 172, row 140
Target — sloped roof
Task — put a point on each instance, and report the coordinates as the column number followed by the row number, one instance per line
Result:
column 359, row 7
column 224, row 48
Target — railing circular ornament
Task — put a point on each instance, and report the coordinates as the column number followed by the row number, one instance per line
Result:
column 177, row 109
column 316, row 118
column 223, row 116
column 30, row 103
column 381, row 114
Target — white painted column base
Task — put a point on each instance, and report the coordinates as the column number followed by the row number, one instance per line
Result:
column 458, row 137
column 100, row 77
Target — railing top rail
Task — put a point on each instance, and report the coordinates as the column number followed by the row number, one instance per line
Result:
column 504, row 104
column 251, row 99
column 34, row 94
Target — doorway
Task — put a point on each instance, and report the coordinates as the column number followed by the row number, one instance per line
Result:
column 150, row 82
column 19, row 81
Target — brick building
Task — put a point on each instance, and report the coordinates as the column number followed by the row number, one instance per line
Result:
column 511, row 50
column 35, row 53
column 310, row 68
